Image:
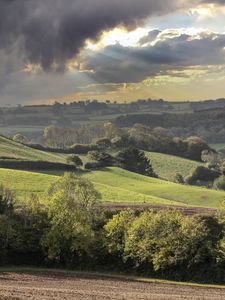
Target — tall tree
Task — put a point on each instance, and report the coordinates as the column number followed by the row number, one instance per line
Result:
column 72, row 208
column 134, row 160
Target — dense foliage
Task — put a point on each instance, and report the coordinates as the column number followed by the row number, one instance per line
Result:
column 208, row 124
column 108, row 136
column 134, row 160
column 73, row 231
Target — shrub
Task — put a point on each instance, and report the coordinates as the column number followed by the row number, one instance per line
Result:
column 202, row 174
column 83, row 149
column 19, row 138
column 178, row 178
column 75, row 160
column 116, row 231
column 219, row 183
column 103, row 158
column 103, row 143
column 92, row 165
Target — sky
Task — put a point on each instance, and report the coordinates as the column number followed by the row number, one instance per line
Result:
column 119, row 50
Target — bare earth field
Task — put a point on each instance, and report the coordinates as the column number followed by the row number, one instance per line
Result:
column 27, row 285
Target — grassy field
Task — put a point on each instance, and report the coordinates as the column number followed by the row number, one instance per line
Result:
column 9, row 148
column 117, row 185
column 166, row 166
column 25, row 183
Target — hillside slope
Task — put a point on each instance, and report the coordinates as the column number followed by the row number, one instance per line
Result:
column 122, row 186
column 11, row 149
column 119, row 186
column 166, row 166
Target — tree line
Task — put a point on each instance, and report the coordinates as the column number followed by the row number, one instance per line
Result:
column 71, row 230
column 208, row 124
column 108, row 135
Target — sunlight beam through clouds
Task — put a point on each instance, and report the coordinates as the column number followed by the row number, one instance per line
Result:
column 126, row 50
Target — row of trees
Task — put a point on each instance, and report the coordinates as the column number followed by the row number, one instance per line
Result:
column 73, row 231
column 208, row 124
column 139, row 136
column 131, row 159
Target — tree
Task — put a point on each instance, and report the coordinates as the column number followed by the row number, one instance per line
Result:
column 219, row 183
column 134, row 160
column 202, row 174
column 168, row 240
column 103, row 143
column 213, row 159
column 7, row 200
column 110, row 130
column 72, row 209
column 153, row 238
column 178, row 178
column 20, row 138
column 103, row 158
column 116, row 231
column 195, row 147
column 75, row 160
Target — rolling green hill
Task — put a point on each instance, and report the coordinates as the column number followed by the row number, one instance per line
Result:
column 117, row 185
column 166, row 166
column 11, row 149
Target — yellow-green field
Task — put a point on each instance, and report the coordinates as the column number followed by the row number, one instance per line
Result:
column 117, row 185
column 9, row 148
column 166, row 166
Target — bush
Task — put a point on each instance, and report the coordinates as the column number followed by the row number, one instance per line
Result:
column 83, row 149
column 219, row 183
column 178, row 178
column 19, row 138
column 202, row 174
column 92, row 165
column 103, row 143
column 103, row 158
column 116, row 231
column 74, row 160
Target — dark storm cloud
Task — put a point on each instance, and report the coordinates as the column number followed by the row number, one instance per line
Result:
column 169, row 52
column 49, row 32
column 152, row 35
column 220, row 2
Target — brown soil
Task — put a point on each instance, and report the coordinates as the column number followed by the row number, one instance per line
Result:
column 61, row 286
